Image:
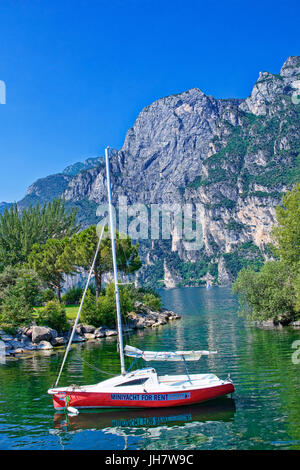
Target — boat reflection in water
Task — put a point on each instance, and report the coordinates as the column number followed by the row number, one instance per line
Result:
column 149, row 423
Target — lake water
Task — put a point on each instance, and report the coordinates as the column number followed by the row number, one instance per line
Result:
column 263, row 413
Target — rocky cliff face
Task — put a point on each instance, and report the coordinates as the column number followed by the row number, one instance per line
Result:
column 232, row 159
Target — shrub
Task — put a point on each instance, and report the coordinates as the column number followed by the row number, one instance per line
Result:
column 15, row 311
column 46, row 295
column 89, row 312
column 19, row 293
column 268, row 293
column 54, row 316
column 152, row 301
column 72, row 296
column 106, row 304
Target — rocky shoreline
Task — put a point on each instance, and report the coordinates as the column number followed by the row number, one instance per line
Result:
column 271, row 324
column 37, row 338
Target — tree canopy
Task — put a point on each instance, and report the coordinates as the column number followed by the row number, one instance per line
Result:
column 21, row 229
column 51, row 261
column 83, row 247
column 274, row 291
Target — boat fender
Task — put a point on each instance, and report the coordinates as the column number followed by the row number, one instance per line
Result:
column 72, row 411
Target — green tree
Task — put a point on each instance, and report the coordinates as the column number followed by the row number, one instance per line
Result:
column 84, row 246
column 21, row 229
column 106, row 305
column 274, row 291
column 54, row 315
column 89, row 312
column 287, row 233
column 52, row 261
column 19, row 293
column 269, row 293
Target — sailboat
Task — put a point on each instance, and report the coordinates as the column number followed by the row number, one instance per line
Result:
column 142, row 388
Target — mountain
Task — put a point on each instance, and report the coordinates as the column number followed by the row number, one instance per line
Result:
column 3, row 206
column 232, row 159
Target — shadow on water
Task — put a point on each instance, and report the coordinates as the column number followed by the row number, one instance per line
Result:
column 222, row 409
column 167, row 428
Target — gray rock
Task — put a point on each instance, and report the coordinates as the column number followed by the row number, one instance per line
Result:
column 111, row 332
column 59, row 341
column 15, row 344
column 28, row 345
column 87, row 329
column 89, row 335
column 42, row 333
column 100, row 332
column 78, row 338
column 44, row 345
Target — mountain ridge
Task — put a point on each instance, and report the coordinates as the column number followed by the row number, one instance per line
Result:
column 233, row 157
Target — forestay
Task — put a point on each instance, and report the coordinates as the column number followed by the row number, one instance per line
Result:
column 167, row 355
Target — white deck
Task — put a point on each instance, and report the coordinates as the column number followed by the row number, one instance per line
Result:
column 153, row 383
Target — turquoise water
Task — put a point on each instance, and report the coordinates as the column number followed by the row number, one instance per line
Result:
column 263, row 413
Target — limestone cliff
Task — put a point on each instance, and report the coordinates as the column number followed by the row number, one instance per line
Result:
column 233, row 158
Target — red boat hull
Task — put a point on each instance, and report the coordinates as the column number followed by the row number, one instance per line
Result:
column 140, row 400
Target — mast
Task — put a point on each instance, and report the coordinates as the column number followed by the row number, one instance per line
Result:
column 113, row 247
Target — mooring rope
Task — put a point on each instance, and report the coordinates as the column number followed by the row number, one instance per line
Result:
column 81, row 304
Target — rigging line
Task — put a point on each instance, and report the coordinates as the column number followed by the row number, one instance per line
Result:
column 81, row 304
column 97, row 368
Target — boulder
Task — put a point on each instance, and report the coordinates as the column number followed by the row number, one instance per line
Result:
column 100, row 332
column 78, row 338
column 87, row 329
column 15, row 344
column 29, row 346
column 140, row 324
column 111, row 332
column 59, row 341
column 43, row 333
column 89, row 335
column 44, row 345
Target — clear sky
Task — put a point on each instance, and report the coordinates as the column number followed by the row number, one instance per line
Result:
column 78, row 72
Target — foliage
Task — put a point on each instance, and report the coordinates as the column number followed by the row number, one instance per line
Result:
column 20, row 230
column 152, row 301
column 287, row 233
column 19, row 293
column 54, row 315
column 89, row 312
column 268, row 293
column 84, row 244
column 274, row 291
column 72, row 296
column 106, row 305
column 46, row 295
column 52, row 261
column 234, row 225
column 103, row 310
column 247, row 255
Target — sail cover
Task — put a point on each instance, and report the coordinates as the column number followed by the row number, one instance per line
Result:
column 166, row 356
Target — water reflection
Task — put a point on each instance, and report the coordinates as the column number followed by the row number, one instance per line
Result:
column 267, row 386
column 178, row 427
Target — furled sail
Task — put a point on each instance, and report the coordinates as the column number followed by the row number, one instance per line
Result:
column 167, row 355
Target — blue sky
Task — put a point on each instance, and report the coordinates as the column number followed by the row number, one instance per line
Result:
column 77, row 72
